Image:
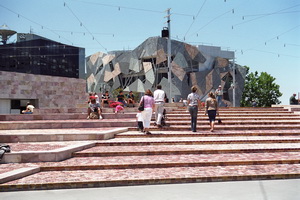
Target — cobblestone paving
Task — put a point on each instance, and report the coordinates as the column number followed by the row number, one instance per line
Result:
column 168, row 148
column 154, row 174
column 269, row 151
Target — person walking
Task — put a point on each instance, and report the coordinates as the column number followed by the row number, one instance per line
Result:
column 219, row 95
column 159, row 99
column 211, row 108
column 148, row 109
column 194, row 103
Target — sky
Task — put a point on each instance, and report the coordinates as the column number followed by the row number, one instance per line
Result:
column 265, row 34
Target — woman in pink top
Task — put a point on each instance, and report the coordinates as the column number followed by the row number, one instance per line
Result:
column 148, row 108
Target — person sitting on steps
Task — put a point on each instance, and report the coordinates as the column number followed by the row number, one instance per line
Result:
column 94, row 110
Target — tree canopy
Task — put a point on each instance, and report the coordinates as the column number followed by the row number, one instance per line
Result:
column 260, row 89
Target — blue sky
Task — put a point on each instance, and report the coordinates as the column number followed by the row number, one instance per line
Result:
column 264, row 34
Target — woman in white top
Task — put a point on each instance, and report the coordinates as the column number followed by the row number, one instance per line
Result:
column 194, row 103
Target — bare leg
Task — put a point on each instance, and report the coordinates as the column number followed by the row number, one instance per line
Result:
column 89, row 112
column 212, row 124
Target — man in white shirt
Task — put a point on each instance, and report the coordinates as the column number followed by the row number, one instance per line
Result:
column 29, row 109
column 159, row 99
column 219, row 94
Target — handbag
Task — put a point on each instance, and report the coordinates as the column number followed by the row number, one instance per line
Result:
column 141, row 106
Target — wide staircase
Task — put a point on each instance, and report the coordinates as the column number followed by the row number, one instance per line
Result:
column 56, row 150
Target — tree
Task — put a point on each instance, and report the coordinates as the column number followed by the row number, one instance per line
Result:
column 260, row 88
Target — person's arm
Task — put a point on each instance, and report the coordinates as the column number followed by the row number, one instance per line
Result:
column 199, row 104
column 27, row 109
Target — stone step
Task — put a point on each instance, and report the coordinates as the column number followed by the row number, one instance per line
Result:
column 157, row 161
column 48, row 135
column 172, row 117
column 260, row 113
column 199, row 140
column 224, row 126
column 243, row 108
column 219, row 133
column 251, row 143
column 141, row 176
column 236, row 122
column 62, row 124
column 173, row 149
column 63, row 116
column 126, row 115
column 131, row 124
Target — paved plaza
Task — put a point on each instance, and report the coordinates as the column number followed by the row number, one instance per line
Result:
column 241, row 190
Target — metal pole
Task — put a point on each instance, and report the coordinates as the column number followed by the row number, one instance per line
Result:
column 233, row 76
column 169, row 56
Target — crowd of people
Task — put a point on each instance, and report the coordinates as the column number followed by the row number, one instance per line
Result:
column 154, row 103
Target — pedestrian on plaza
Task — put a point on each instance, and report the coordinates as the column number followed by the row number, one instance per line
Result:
column 219, row 95
column 159, row 99
column 211, row 108
column 148, row 110
column 293, row 100
column 194, row 103
column 139, row 119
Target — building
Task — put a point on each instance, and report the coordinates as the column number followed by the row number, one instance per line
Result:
column 146, row 66
column 34, row 54
column 48, row 74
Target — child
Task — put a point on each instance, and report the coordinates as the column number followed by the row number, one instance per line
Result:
column 139, row 120
column 119, row 108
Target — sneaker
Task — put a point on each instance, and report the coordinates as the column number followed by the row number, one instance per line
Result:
column 88, row 117
column 100, row 117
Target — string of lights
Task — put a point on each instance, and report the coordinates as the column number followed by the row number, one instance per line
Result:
column 209, row 22
column 119, row 8
column 81, row 24
column 194, row 19
column 265, row 15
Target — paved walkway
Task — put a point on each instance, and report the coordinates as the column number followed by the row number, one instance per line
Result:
column 239, row 190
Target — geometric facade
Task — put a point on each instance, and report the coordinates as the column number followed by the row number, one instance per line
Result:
column 146, row 66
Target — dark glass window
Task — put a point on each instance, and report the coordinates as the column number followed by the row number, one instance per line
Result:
column 40, row 56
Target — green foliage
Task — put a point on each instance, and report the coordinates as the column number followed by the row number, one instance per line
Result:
column 261, row 89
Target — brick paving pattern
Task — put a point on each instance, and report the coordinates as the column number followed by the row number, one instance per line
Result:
column 250, row 144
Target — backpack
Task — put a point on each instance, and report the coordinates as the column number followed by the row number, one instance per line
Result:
column 4, row 148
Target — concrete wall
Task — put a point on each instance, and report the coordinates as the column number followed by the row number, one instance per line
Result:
column 47, row 91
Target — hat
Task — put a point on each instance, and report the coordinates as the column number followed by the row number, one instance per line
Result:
column 220, row 85
column 93, row 97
